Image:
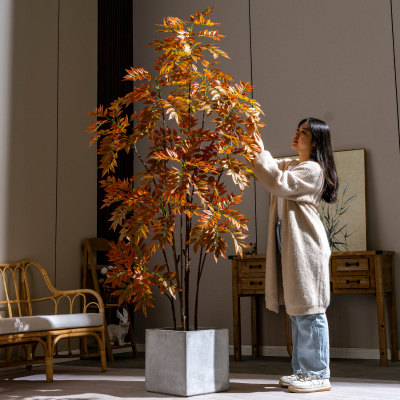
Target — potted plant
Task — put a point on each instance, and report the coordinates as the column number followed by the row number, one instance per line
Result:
column 177, row 203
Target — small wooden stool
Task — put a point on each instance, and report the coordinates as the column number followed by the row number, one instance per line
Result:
column 95, row 245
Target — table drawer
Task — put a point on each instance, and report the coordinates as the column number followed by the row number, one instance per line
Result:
column 350, row 265
column 253, row 283
column 351, row 282
column 250, row 267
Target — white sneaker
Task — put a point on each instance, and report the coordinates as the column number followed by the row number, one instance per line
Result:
column 309, row 384
column 285, row 381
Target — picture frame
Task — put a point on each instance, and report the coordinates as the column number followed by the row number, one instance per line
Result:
column 346, row 220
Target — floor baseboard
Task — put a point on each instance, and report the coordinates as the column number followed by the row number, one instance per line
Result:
column 281, row 351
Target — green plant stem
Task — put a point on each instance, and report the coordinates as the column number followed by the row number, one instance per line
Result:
column 140, row 158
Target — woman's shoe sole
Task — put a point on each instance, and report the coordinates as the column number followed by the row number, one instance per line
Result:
column 285, row 386
column 310, row 391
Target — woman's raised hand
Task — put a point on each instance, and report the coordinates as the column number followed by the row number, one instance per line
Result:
column 251, row 128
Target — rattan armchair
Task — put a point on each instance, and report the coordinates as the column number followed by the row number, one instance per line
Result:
column 19, row 326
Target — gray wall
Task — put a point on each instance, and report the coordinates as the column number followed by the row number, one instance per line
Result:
column 48, row 172
column 327, row 59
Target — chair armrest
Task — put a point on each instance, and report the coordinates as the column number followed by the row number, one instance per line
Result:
column 82, row 292
column 59, row 293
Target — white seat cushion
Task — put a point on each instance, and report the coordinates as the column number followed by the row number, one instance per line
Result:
column 49, row 322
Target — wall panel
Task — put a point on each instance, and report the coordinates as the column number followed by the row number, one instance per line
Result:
column 396, row 45
column 29, row 206
column 333, row 60
column 48, row 174
column 77, row 162
column 115, row 55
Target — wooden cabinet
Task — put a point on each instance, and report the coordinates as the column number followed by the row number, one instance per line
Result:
column 350, row 272
column 369, row 272
column 248, row 279
column 251, row 276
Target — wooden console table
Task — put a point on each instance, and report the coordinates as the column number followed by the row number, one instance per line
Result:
column 350, row 272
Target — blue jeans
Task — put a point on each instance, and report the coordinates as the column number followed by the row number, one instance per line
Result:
column 310, row 335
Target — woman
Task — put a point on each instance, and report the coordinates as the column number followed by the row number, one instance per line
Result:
column 301, row 279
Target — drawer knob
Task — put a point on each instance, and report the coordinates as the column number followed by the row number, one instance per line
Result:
column 350, row 264
column 255, row 266
column 255, row 283
column 357, row 281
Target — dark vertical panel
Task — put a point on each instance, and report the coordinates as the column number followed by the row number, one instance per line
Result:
column 252, row 96
column 115, row 54
column 58, row 81
column 395, row 72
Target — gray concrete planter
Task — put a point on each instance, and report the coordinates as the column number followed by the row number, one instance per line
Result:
column 187, row 363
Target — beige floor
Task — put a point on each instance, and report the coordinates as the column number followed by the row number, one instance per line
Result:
column 87, row 383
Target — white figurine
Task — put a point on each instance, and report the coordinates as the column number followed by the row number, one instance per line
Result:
column 250, row 250
column 104, row 270
column 118, row 332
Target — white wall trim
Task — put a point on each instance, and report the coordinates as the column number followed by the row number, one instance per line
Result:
column 351, row 353
column 280, row 351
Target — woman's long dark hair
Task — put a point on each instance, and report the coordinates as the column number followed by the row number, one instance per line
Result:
column 322, row 153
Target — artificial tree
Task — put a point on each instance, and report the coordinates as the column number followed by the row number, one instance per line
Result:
column 181, row 175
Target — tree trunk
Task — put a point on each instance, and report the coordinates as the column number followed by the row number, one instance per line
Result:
column 199, row 274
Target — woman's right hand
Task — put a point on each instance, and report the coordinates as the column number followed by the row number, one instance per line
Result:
column 251, row 127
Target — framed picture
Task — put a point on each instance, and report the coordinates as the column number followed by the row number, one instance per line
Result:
column 346, row 220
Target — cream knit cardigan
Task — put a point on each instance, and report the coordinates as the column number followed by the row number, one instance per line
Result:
column 299, row 278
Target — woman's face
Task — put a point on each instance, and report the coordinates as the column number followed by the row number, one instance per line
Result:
column 302, row 139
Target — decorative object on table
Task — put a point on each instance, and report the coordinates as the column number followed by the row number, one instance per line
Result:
column 117, row 333
column 179, row 188
column 346, row 221
column 93, row 250
column 252, row 249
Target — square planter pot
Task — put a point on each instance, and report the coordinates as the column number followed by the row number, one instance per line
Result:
column 187, row 363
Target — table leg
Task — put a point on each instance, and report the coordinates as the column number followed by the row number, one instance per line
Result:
column 393, row 327
column 380, row 302
column 237, row 340
column 237, row 335
column 393, row 318
column 255, row 328
column 288, row 333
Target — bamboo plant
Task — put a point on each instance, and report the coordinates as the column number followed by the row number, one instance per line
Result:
column 331, row 220
column 177, row 200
